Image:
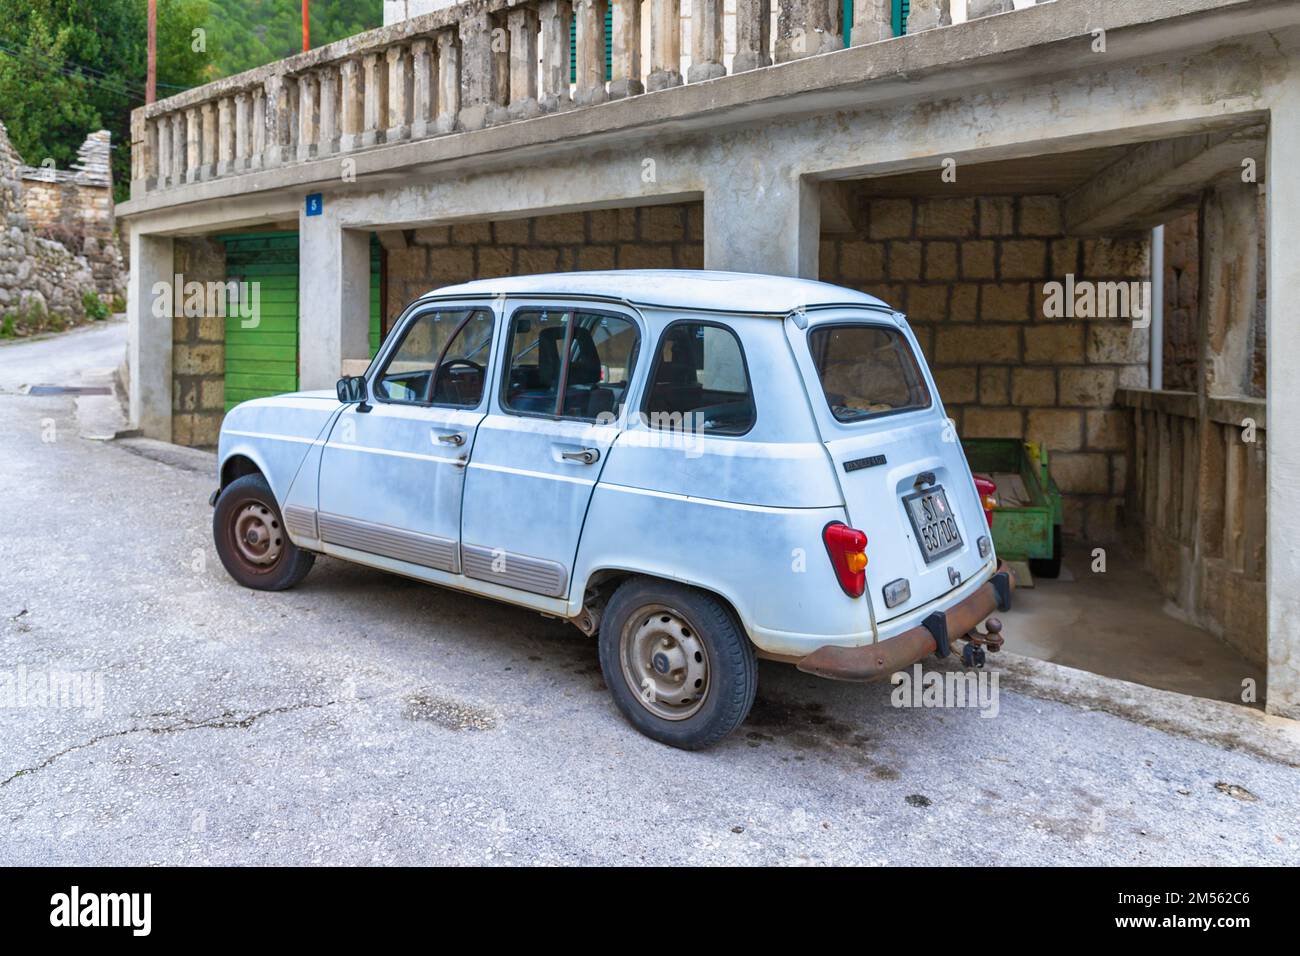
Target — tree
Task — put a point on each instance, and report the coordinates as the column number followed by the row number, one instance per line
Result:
column 70, row 67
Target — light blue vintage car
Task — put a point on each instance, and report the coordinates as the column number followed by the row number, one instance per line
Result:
column 695, row 466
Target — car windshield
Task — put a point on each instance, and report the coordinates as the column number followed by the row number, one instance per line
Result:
column 867, row 370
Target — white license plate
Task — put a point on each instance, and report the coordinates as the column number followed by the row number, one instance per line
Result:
column 933, row 522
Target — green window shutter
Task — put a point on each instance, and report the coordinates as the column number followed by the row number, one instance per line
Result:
column 263, row 360
column 609, row 47
column 898, row 18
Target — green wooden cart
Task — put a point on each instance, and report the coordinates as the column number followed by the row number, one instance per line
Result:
column 1027, row 518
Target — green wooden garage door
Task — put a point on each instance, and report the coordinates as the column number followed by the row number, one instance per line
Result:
column 263, row 360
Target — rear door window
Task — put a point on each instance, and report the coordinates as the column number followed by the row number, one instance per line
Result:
column 569, row 363
column 699, row 382
column 867, row 371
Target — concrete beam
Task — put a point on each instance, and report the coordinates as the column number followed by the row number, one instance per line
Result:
column 759, row 219
column 394, row 240
column 1154, row 181
column 334, row 299
column 149, row 338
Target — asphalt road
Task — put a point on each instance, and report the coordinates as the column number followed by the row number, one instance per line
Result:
column 363, row 718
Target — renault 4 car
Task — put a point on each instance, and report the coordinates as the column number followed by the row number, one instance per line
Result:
column 698, row 469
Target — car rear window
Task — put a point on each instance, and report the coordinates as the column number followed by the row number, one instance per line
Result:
column 866, row 371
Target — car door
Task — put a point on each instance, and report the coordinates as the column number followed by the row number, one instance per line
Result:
column 565, row 373
column 392, row 472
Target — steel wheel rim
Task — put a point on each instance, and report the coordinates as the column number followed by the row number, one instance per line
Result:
column 665, row 663
column 257, row 536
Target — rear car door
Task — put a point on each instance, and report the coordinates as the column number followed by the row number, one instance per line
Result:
column 393, row 471
column 565, row 371
column 905, row 479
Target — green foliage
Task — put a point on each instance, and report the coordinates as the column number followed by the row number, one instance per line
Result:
column 244, row 34
column 70, row 67
column 8, row 327
column 94, row 306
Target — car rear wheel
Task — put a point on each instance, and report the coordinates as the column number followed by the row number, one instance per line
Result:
column 677, row 662
column 251, row 540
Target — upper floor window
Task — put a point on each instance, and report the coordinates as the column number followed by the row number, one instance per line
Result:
column 440, row 360
column 699, row 382
column 569, row 363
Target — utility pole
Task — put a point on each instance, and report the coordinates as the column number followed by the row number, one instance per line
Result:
column 306, row 26
column 151, row 84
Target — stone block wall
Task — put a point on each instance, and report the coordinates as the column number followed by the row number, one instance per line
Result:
column 75, row 208
column 970, row 272
column 198, row 351
column 646, row 237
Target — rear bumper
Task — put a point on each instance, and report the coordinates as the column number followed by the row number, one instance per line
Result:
column 874, row 661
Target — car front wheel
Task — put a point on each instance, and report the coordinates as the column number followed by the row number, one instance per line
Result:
column 251, row 540
column 677, row 662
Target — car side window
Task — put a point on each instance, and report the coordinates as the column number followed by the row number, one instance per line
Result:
column 569, row 363
column 441, row 359
column 700, row 382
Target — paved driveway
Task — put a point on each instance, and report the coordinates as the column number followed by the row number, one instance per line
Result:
column 367, row 719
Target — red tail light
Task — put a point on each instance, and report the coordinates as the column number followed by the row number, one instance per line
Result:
column 847, row 548
column 986, row 489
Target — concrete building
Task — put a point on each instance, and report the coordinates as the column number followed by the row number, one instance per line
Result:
column 998, row 172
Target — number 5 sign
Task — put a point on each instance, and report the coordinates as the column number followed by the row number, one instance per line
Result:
column 315, row 204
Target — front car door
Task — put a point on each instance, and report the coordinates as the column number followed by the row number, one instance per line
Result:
column 392, row 475
column 566, row 370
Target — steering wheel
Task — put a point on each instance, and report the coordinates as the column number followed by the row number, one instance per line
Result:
column 450, row 363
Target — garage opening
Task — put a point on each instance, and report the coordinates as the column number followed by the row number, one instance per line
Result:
column 1037, row 287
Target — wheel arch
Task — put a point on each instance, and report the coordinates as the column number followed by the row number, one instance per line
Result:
column 601, row 584
column 237, row 465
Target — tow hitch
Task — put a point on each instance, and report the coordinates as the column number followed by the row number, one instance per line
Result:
column 972, row 655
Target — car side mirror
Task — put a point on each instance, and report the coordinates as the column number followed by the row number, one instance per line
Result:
column 351, row 390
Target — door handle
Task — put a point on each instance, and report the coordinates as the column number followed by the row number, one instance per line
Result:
column 454, row 438
column 587, row 456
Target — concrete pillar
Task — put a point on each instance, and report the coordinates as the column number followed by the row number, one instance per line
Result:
column 334, row 299
column 807, row 28
column 327, row 137
column 1282, row 234
column 208, row 157
column 706, row 41
column 448, row 81
column 925, row 15
column 400, row 84
column 522, row 24
column 279, row 119
column 872, row 20
column 180, row 149
column 163, row 131
column 556, row 15
column 149, row 336
column 753, row 35
column 352, row 106
column 1229, row 243
column 243, row 130
column 375, row 101
column 665, row 44
column 225, row 136
column 975, row 9
column 761, row 219
column 625, row 49
column 193, row 145
column 422, row 88
column 308, row 116
column 257, row 129
column 591, row 51
column 477, row 70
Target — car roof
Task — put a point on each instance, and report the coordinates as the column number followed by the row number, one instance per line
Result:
column 673, row 288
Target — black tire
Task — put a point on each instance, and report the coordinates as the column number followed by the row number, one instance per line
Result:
column 1049, row 567
column 710, row 627
column 248, row 501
